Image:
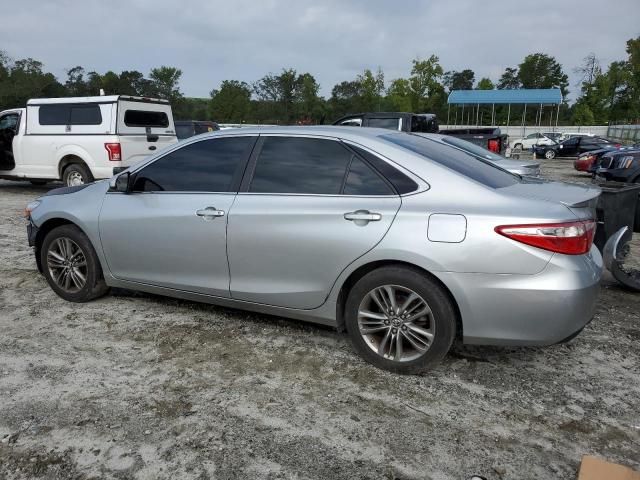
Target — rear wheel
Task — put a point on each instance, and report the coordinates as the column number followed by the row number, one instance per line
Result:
column 550, row 154
column 400, row 320
column 76, row 174
column 71, row 266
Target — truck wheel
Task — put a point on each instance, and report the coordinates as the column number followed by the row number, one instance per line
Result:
column 76, row 174
column 550, row 154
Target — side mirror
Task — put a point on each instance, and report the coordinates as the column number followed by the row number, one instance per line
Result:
column 121, row 183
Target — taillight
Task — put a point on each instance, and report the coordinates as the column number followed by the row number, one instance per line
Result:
column 114, row 151
column 569, row 238
column 493, row 145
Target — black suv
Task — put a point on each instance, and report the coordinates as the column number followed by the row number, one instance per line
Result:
column 401, row 121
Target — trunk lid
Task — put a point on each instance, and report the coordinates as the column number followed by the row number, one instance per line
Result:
column 581, row 199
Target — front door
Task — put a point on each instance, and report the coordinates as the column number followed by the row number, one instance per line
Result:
column 309, row 207
column 8, row 129
column 170, row 231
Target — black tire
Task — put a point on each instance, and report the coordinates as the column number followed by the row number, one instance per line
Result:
column 38, row 183
column 94, row 285
column 75, row 172
column 443, row 317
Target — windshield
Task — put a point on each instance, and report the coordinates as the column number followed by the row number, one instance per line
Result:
column 472, row 148
column 471, row 166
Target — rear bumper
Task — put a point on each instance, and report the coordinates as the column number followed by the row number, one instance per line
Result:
column 541, row 309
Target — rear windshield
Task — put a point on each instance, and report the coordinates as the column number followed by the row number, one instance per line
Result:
column 472, row 148
column 388, row 123
column 145, row 118
column 461, row 162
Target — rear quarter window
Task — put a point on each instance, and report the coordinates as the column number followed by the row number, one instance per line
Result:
column 454, row 159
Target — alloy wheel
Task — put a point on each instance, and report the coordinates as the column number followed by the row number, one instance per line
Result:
column 67, row 265
column 396, row 323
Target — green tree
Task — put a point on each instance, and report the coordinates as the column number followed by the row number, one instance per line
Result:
column 485, row 84
column 509, row 79
column 310, row 105
column 231, row 103
column 459, row 80
column 371, row 89
column 426, row 90
column 164, row 83
column 540, row 70
column 398, row 96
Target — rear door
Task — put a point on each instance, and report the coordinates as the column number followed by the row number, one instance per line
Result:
column 143, row 127
column 307, row 208
column 171, row 230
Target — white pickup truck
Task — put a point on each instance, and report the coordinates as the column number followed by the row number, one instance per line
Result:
column 80, row 139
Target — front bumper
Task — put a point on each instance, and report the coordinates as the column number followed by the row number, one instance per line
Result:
column 32, row 232
column 541, row 309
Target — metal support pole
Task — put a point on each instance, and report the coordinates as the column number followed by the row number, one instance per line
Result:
column 448, row 111
column 462, row 115
column 508, row 115
column 524, row 120
column 493, row 114
column 477, row 114
column 557, row 115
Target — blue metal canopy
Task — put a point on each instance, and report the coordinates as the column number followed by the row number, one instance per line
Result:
column 546, row 96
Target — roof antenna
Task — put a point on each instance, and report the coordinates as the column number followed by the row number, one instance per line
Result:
column 102, row 92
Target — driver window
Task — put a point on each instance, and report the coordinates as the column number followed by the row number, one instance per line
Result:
column 204, row 166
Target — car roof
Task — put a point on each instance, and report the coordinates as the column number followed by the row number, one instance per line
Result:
column 336, row 131
column 94, row 99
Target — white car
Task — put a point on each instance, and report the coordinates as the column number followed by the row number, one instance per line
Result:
column 532, row 139
column 80, row 139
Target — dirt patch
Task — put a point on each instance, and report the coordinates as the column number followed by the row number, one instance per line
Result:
column 141, row 386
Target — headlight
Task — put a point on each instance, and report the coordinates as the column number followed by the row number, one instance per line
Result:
column 627, row 161
column 31, row 207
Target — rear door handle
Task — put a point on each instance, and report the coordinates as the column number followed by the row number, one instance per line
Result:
column 362, row 216
column 209, row 213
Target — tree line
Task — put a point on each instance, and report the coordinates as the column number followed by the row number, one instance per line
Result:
column 607, row 94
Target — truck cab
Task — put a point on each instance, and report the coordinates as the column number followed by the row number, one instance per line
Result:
column 402, row 121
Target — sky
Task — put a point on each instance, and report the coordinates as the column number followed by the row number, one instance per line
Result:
column 334, row 40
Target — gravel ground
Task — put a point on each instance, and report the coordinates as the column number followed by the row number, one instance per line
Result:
column 140, row 386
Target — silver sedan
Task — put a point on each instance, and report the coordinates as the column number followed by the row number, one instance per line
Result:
column 401, row 240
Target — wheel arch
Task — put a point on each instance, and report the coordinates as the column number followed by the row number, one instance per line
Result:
column 44, row 229
column 70, row 159
column 361, row 271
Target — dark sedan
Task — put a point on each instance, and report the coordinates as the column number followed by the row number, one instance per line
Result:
column 573, row 146
column 620, row 166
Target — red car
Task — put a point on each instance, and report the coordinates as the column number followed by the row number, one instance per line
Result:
column 584, row 162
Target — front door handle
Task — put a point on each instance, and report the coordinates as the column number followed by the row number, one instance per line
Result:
column 362, row 217
column 209, row 213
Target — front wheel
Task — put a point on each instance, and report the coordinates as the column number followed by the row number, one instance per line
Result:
column 400, row 320
column 76, row 174
column 550, row 154
column 71, row 266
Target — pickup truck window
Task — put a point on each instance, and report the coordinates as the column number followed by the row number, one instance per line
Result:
column 388, row 123
column 61, row 114
column 142, row 118
column 464, row 163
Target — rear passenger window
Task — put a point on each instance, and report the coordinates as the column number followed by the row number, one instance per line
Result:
column 145, row 118
column 54, row 114
column 399, row 180
column 362, row 180
column 205, row 166
column 300, row 165
column 85, row 115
